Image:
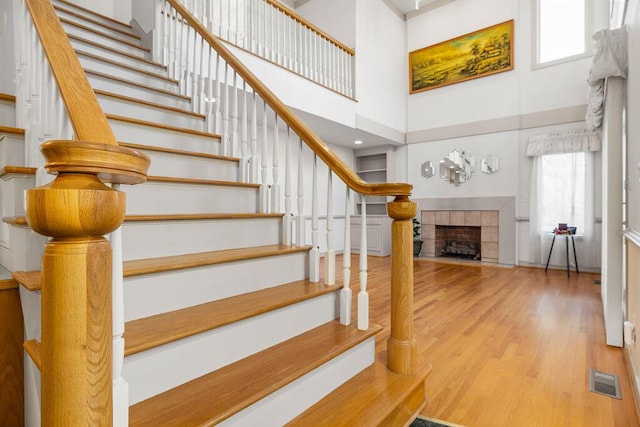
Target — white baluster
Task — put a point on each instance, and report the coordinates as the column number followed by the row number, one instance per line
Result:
column 217, row 116
column 363, row 296
column 244, row 168
column 300, row 232
column 330, row 255
column 287, row 227
column 345, row 292
column 314, row 255
column 264, row 176
column 253, row 160
column 225, row 112
column 234, row 116
column 275, row 186
column 120, row 385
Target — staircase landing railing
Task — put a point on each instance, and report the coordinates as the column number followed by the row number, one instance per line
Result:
column 61, row 116
column 257, row 126
column 275, row 33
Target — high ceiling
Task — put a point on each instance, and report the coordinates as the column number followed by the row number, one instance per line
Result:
column 409, row 5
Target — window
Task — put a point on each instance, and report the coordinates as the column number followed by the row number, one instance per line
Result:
column 562, row 29
column 562, row 191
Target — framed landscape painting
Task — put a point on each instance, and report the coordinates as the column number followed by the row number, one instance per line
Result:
column 481, row 53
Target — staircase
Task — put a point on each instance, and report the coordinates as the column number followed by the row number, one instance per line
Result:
column 222, row 324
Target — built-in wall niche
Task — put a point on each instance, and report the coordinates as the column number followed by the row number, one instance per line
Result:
column 373, row 168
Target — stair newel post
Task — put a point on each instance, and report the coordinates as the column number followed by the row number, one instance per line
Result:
column 300, row 232
column 401, row 345
column 264, row 163
column 345, row 292
column 287, row 228
column 120, row 385
column 275, row 187
column 363, row 296
column 314, row 256
column 330, row 255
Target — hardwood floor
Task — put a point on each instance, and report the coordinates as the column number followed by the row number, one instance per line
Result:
column 509, row 347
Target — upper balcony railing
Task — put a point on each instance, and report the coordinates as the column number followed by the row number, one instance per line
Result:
column 277, row 34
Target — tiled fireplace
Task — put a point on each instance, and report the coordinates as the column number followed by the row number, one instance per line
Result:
column 464, row 222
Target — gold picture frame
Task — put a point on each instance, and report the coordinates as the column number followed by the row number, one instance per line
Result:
column 477, row 54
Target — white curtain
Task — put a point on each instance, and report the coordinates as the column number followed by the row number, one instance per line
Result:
column 610, row 60
column 562, row 191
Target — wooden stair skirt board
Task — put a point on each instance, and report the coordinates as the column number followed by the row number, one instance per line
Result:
column 279, row 372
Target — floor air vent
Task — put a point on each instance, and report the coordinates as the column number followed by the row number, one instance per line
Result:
column 603, row 383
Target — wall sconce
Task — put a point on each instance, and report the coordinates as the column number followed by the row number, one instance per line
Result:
column 490, row 164
column 428, row 169
column 457, row 167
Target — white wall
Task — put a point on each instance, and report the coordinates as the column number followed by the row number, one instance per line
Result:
column 334, row 17
column 498, row 112
column 633, row 117
column 381, row 64
column 7, row 64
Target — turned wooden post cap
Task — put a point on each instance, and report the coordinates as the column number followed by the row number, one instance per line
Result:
column 402, row 208
column 110, row 163
column 75, row 205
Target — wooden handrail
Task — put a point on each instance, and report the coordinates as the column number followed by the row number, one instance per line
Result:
column 314, row 142
column 293, row 15
column 87, row 118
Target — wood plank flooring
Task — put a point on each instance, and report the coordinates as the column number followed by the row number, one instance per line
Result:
column 509, row 347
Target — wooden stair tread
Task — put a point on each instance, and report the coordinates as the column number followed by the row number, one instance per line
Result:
column 6, row 280
column 91, row 12
column 32, row 279
column 128, row 67
column 28, row 279
column 114, row 50
column 148, row 103
column 61, row 8
column 215, row 397
column 163, row 126
column 17, row 170
column 105, row 35
column 7, row 97
column 177, row 262
column 140, row 85
column 176, row 151
column 34, row 350
column 9, row 129
column 374, row 397
column 150, row 332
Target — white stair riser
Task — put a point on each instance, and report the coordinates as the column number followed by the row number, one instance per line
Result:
column 127, row 74
column 135, row 91
column 150, row 294
column 150, row 135
column 169, row 198
column 25, row 248
column 151, row 239
column 130, row 37
column 185, row 166
column 11, row 150
column 7, row 113
column 139, row 111
column 290, row 401
column 106, row 41
column 214, row 349
column 89, row 15
column 82, row 46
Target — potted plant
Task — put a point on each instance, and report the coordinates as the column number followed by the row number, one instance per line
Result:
column 417, row 239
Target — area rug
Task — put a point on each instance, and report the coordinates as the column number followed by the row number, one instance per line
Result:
column 430, row 422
